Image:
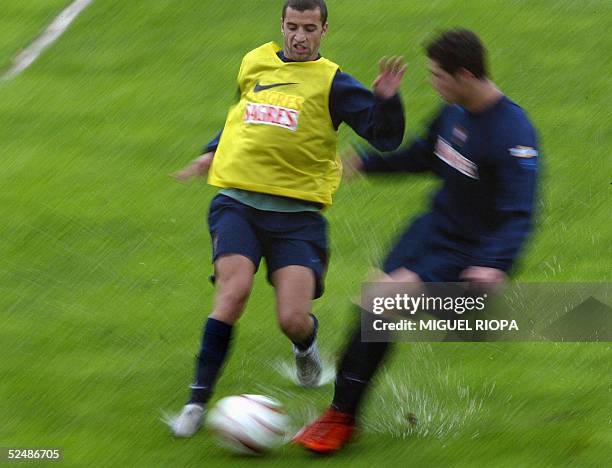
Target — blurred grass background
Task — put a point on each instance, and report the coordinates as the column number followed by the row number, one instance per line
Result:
column 104, row 259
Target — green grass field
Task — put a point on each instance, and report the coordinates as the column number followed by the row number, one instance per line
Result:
column 104, row 259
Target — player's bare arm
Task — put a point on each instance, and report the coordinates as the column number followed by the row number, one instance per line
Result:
column 198, row 167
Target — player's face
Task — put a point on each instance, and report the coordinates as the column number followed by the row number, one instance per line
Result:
column 302, row 31
column 448, row 86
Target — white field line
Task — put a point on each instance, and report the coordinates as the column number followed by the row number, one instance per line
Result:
column 61, row 22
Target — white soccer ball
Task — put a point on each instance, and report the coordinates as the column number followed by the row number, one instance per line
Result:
column 248, row 424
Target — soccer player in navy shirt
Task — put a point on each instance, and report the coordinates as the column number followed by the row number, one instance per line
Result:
column 484, row 148
column 275, row 177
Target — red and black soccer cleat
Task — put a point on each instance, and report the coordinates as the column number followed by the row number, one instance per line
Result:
column 327, row 434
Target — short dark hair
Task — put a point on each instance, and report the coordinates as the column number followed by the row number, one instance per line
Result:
column 459, row 48
column 303, row 5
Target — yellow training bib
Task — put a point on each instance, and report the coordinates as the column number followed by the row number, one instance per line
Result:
column 279, row 139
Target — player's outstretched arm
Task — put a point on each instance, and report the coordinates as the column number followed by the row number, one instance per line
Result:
column 416, row 157
column 387, row 83
column 198, row 167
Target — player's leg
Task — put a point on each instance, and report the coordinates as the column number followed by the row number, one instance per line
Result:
column 358, row 366
column 361, row 360
column 295, row 249
column 295, row 287
column 234, row 279
column 236, row 256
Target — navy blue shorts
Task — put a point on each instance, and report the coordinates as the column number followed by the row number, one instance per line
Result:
column 418, row 250
column 282, row 239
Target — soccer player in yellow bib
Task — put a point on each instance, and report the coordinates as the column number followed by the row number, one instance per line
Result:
column 276, row 164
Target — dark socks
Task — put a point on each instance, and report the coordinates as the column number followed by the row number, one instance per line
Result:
column 215, row 345
column 307, row 343
column 357, row 368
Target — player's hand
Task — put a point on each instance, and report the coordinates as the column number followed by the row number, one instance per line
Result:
column 479, row 274
column 352, row 165
column 198, row 167
column 388, row 81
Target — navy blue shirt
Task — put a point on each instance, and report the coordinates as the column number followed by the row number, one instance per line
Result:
column 380, row 121
column 489, row 165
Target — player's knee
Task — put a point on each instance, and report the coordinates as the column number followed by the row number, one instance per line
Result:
column 234, row 297
column 231, row 299
column 403, row 275
column 295, row 324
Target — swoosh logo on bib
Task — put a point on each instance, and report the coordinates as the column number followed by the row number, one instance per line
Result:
column 259, row 87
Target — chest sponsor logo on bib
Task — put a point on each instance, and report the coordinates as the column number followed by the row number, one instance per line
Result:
column 267, row 114
column 455, row 159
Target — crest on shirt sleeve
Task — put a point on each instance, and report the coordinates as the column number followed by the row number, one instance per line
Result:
column 523, row 152
column 526, row 156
